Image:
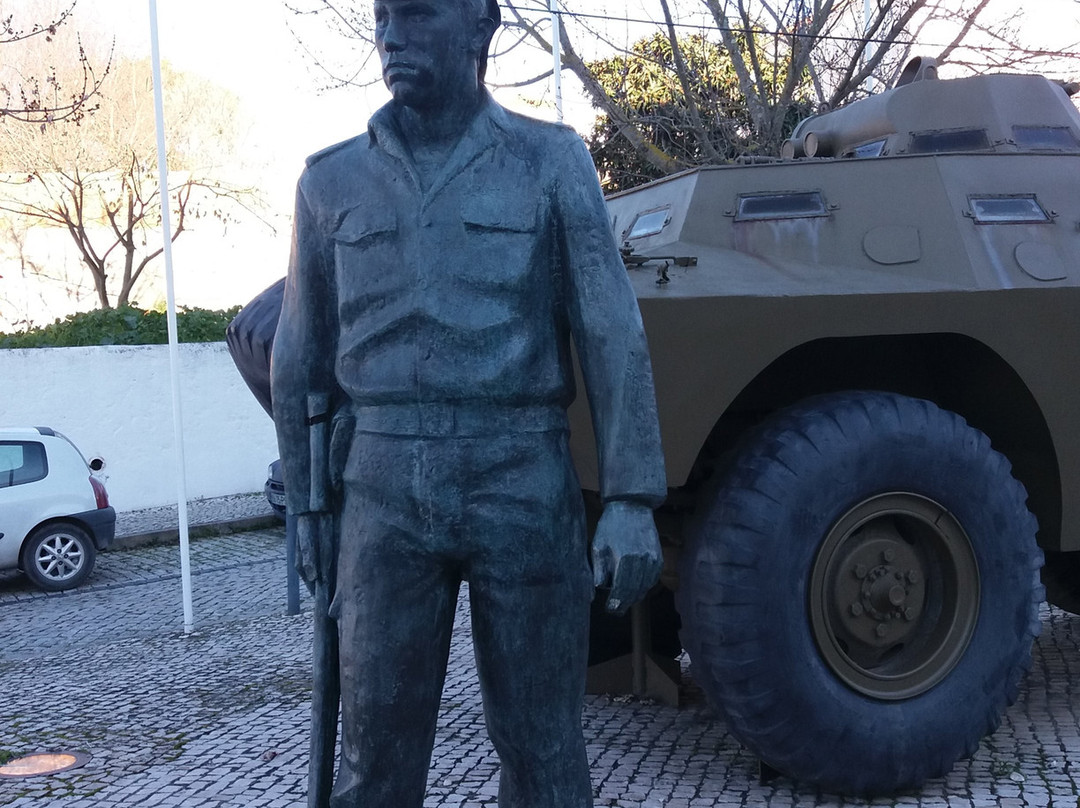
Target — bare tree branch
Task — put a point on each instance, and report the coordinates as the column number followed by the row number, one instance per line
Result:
column 683, row 75
column 97, row 183
column 39, row 97
column 597, row 94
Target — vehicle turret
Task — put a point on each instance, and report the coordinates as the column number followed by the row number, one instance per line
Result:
column 924, row 115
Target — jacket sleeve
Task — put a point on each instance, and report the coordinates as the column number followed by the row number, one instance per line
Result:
column 305, row 348
column 606, row 326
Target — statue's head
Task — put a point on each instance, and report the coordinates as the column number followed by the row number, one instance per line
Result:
column 432, row 50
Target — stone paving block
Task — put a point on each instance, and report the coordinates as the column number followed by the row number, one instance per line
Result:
column 219, row 717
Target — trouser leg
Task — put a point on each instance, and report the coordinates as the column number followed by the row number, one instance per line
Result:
column 531, row 651
column 395, row 606
column 530, row 591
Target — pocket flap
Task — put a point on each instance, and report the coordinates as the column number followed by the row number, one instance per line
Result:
column 363, row 221
column 499, row 212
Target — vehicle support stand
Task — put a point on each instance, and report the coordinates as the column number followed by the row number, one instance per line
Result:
column 640, row 673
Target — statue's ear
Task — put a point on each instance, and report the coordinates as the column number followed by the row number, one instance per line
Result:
column 482, row 33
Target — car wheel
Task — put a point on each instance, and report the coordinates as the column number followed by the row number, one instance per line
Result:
column 58, row 556
column 860, row 594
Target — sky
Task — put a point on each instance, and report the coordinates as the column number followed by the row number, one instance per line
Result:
column 247, row 46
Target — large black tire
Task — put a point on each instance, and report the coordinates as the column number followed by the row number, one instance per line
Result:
column 860, row 594
column 58, row 556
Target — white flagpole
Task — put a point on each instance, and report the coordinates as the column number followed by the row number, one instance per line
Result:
column 170, row 302
column 556, row 53
column 868, row 53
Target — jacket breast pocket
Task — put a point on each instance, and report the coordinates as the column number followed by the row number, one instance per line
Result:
column 499, row 213
column 364, row 239
column 502, row 236
column 364, row 226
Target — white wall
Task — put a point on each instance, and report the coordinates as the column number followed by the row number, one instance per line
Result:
column 115, row 402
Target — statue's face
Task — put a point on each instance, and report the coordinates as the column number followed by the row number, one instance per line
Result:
column 428, row 49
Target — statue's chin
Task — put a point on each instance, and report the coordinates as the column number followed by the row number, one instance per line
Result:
column 409, row 91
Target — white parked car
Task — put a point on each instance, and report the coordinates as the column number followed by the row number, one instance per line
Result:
column 54, row 514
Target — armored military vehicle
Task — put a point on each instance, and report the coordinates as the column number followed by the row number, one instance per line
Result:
column 867, row 363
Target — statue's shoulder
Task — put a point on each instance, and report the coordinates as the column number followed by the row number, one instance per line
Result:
column 552, row 142
column 346, row 148
column 536, row 129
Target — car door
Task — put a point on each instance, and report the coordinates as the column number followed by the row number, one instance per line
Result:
column 24, row 496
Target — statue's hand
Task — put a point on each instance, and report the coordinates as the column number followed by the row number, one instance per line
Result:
column 626, row 553
column 314, row 547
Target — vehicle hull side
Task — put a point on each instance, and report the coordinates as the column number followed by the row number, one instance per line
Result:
column 707, row 351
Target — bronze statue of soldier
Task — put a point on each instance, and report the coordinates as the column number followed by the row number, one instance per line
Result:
column 441, row 264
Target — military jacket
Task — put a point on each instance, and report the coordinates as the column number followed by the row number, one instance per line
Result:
column 468, row 292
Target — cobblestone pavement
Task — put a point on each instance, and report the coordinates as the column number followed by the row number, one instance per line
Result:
column 219, row 717
column 153, row 525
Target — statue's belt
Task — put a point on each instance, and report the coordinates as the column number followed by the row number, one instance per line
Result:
column 459, row 420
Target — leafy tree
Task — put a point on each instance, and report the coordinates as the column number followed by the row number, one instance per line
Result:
column 99, row 181
column 644, row 84
column 31, row 89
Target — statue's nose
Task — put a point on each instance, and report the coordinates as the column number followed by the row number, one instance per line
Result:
column 393, row 36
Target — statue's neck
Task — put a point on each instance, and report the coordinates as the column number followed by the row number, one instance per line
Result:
column 438, row 127
column 432, row 134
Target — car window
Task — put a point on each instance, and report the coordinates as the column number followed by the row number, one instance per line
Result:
column 21, row 462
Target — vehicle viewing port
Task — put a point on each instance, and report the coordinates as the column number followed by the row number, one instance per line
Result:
column 650, row 223
column 794, row 205
column 1007, row 209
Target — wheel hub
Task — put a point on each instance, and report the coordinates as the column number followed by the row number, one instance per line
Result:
column 59, row 558
column 884, row 588
column 894, row 595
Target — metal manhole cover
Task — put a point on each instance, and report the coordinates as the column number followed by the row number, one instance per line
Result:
column 42, row 763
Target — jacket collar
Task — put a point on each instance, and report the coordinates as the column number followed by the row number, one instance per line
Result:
column 481, row 135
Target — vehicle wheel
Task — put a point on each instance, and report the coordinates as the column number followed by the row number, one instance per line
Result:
column 1061, row 577
column 860, row 594
column 58, row 556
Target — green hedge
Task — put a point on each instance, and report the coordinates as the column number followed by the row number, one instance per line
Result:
column 126, row 325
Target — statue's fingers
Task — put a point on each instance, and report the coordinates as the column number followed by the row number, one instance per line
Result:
column 601, row 567
column 642, row 572
column 306, row 561
column 625, row 585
